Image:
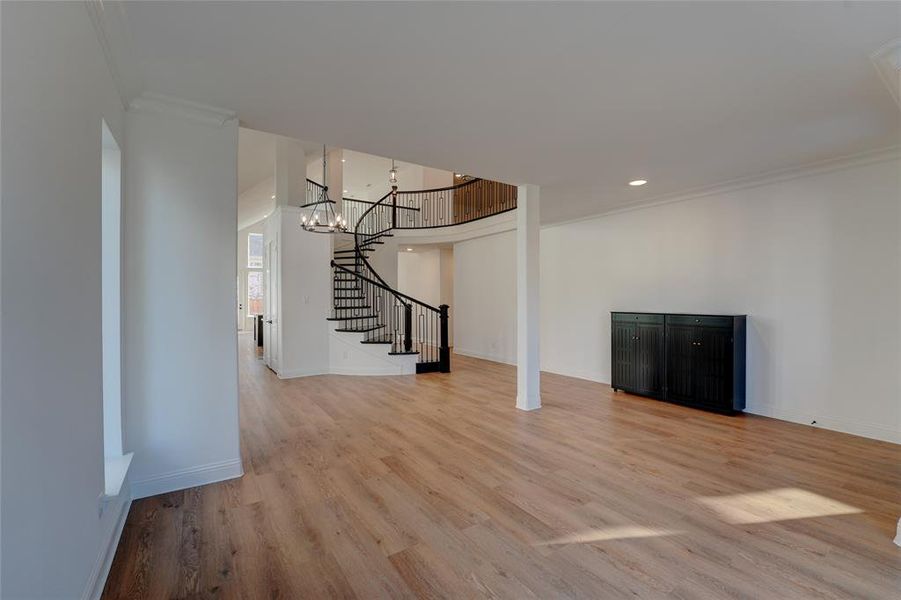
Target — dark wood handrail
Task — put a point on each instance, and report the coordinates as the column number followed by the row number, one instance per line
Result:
column 371, row 202
column 456, row 186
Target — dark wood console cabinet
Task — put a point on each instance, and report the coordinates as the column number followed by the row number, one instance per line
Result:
column 696, row 360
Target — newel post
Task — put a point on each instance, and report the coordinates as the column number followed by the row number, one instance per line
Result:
column 393, row 206
column 444, row 349
column 408, row 327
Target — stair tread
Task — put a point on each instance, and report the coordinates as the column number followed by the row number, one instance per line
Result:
column 351, row 318
column 403, row 353
column 362, row 330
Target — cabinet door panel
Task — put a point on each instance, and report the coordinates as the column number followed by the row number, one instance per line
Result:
column 680, row 351
column 649, row 359
column 623, row 335
column 713, row 368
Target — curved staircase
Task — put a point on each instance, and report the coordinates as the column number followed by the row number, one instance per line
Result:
column 363, row 303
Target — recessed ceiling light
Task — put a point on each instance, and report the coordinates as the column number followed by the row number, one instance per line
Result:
column 343, row 160
column 638, row 182
column 345, row 191
column 409, row 249
column 273, row 196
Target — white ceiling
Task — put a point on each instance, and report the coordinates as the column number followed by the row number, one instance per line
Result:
column 579, row 98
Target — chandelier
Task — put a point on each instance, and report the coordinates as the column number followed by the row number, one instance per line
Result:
column 392, row 174
column 320, row 215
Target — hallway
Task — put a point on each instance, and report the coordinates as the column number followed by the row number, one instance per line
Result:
column 435, row 486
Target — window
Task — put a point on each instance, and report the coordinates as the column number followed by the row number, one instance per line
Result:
column 254, row 250
column 254, row 293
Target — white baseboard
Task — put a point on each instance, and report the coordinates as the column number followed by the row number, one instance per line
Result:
column 386, row 370
column 301, row 373
column 187, row 478
column 867, row 430
column 367, row 371
column 97, row 580
column 587, row 376
column 485, row 356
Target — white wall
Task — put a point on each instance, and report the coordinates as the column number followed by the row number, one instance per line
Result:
column 305, row 296
column 485, row 297
column 384, row 260
column 56, row 90
column 427, row 274
column 181, row 390
column 419, row 275
column 436, row 178
column 813, row 261
column 446, row 259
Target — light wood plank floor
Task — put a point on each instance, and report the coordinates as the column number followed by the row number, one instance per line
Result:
column 435, row 486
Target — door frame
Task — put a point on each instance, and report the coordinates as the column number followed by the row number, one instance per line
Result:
column 270, row 302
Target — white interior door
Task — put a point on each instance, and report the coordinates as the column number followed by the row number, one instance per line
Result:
column 270, row 318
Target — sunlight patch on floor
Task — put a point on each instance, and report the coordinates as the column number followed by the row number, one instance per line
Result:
column 614, row 532
column 780, row 504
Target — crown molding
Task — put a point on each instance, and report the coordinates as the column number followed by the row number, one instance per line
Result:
column 108, row 19
column 770, row 177
column 887, row 61
column 186, row 109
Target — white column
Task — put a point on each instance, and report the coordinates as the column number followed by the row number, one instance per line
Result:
column 528, row 377
column 290, row 173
